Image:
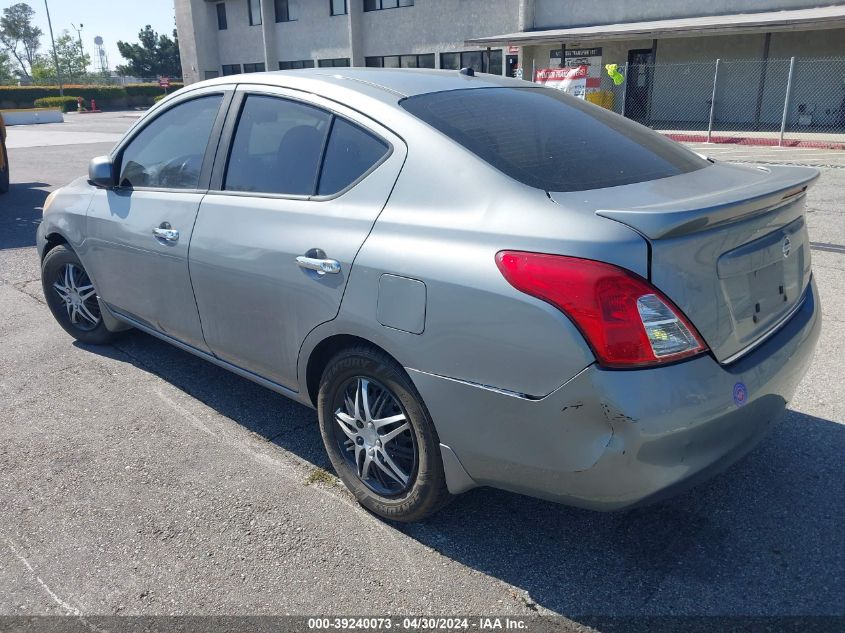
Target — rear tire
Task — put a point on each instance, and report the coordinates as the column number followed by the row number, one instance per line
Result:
column 393, row 468
column 72, row 298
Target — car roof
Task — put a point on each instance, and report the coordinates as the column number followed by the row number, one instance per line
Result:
column 392, row 82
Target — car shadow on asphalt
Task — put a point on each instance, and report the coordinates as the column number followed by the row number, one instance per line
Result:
column 20, row 213
column 763, row 538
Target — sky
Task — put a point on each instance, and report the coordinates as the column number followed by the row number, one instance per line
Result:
column 112, row 20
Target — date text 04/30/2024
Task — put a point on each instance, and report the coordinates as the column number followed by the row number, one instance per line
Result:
column 419, row 623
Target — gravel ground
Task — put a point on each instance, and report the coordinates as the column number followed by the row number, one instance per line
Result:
column 137, row 479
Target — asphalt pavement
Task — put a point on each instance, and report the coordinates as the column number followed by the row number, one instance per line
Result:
column 137, row 479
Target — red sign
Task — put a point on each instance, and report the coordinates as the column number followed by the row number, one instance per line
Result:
column 513, row 50
column 544, row 75
column 569, row 80
column 164, row 82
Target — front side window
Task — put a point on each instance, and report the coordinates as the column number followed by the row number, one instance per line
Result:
column 254, row 7
column 549, row 140
column 350, row 153
column 222, row 25
column 168, row 153
column 338, row 7
column 277, row 147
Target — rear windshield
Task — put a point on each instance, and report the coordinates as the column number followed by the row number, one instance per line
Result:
column 549, row 140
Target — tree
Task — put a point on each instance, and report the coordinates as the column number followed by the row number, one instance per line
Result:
column 156, row 55
column 5, row 68
column 73, row 62
column 19, row 37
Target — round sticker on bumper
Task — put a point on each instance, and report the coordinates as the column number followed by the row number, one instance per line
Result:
column 740, row 394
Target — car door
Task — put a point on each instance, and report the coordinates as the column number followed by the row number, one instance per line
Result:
column 140, row 230
column 292, row 201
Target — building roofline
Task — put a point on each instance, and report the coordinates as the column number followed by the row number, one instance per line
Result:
column 789, row 20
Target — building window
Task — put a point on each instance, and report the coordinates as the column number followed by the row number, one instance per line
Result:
column 338, row 7
column 284, row 11
column 254, row 7
column 296, row 64
column 477, row 60
column 378, row 5
column 254, row 68
column 401, row 61
column 231, row 69
column 333, row 63
column 222, row 25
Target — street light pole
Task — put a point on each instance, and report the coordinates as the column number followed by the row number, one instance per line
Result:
column 78, row 30
column 55, row 57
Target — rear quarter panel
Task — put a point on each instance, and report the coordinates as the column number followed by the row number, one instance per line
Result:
column 448, row 216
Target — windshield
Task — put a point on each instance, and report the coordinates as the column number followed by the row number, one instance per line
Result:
column 549, row 140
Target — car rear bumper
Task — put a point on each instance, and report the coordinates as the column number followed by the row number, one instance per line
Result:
column 612, row 439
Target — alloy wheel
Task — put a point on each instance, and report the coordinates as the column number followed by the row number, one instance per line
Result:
column 375, row 436
column 77, row 293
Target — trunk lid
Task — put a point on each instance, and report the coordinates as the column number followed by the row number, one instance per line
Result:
column 728, row 245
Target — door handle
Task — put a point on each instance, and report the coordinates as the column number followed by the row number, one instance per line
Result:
column 165, row 232
column 322, row 266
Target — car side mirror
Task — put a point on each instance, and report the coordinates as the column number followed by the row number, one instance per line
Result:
column 101, row 171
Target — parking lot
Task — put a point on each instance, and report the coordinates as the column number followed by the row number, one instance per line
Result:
column 138, row 479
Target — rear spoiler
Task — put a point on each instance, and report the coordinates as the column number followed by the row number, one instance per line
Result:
column 671, row 219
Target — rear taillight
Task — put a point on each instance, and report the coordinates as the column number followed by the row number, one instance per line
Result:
column 626, row 321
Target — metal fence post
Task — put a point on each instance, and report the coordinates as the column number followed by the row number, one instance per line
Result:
column 786, row 99
column 713, row 102
column 624, row 87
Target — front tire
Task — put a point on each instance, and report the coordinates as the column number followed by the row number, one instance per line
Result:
column 72, row 298
column 380, row 437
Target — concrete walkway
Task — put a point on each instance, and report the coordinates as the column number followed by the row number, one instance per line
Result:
column 78, row 129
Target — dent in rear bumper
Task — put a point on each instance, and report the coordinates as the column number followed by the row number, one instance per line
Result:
column 612, row 439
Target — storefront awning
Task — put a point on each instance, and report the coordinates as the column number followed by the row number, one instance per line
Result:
column 792, row 20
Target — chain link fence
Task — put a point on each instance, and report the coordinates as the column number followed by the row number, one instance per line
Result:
column 795, row 101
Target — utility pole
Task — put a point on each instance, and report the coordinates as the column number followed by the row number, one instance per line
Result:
column 55, row 57
column 78, row 30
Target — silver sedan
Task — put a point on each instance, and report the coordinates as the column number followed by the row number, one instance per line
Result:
column 476, row 281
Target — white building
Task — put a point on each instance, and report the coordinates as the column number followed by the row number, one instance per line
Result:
column 667, row 47
column 248, row 35
column 220, row 36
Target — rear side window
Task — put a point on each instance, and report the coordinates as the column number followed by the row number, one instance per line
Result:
column 168, row 153
column 549, row 140
column 277, row 147
column 286, row 147
column 351, row 152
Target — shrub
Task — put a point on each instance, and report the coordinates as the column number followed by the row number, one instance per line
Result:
column 148, row 90
column 24, row 96
column 65, row 104
column 158, row 98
